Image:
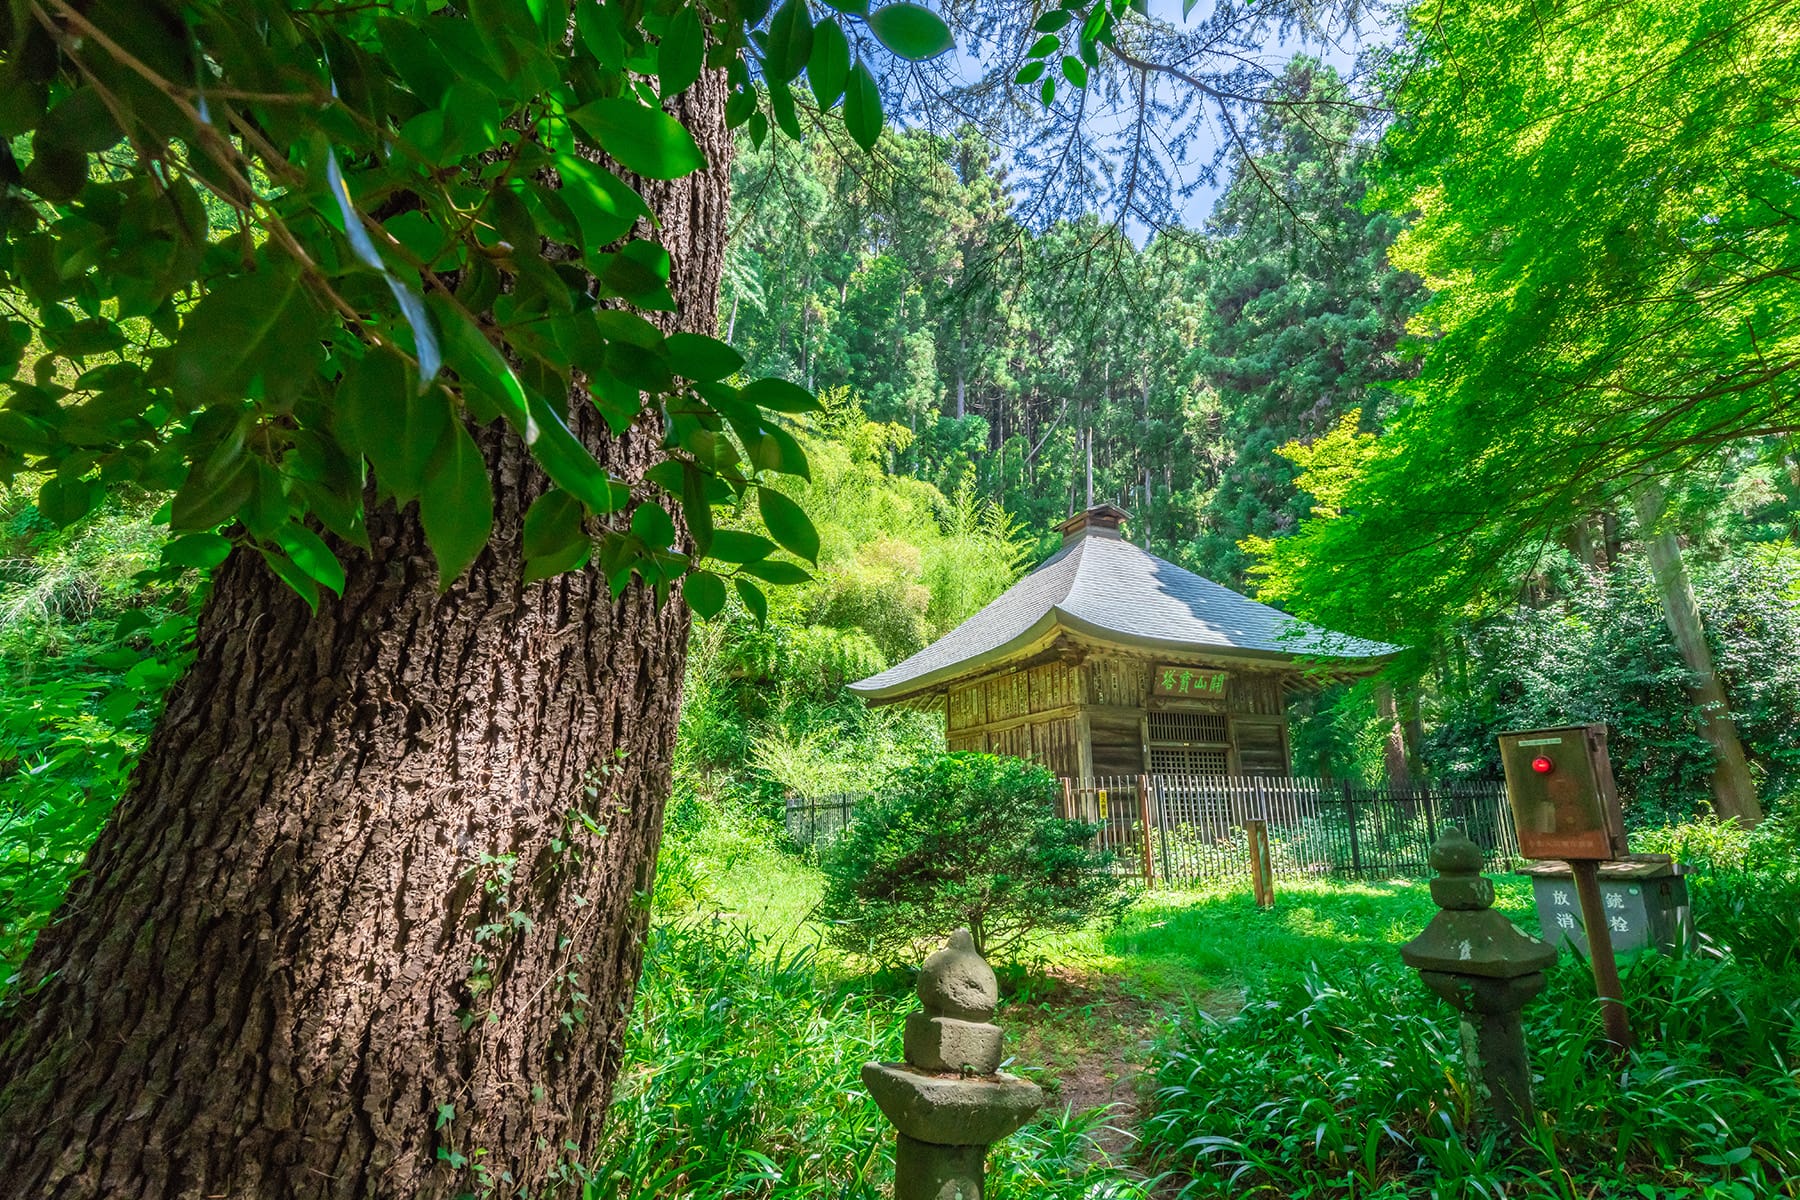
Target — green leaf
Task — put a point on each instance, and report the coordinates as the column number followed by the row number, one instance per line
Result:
column 781, row 103
column 778, row 571
column 652, row 522
column 1053, row 20
column 554, row 539
column 1097, row 23
column 303, row 584
column 704, row 593
column 480, row 367
column 776, row 450
column 681, row 53
column 64, row 499
column 310, row 553
column 1031, row 73
column 598, row 27
column 778, row 395
column 394, row 426
column 1074, row 70
column 862, row 107
column 698, row 357
column 753, row 599
column 240, row 333
column 1044, row 46
column 696, row 506
column 911, row 31
column 790, row 41
column 456, row 505
column 212, row 495
column 854, row 8
column 736, row 546
column 200, row 551
column 829, row 67
column 570, row 465
column 1048, row 92
column 604, row 205
column 645, row 140
column 787, row 524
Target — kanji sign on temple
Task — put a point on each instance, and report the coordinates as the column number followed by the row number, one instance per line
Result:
column 1107, row 660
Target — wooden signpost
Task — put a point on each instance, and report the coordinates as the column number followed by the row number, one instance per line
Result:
column 1566, row 806
column 1262, row 870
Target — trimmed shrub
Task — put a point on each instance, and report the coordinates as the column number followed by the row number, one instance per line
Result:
column 964, row 840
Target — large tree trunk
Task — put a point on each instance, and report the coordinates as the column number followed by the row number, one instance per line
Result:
column 1734, row 791
column 368, row 919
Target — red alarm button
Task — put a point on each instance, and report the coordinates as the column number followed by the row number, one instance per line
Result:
column 1542, row 765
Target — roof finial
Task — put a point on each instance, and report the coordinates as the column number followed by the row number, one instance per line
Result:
column 1100, row 520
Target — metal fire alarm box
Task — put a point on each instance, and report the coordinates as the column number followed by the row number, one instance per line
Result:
column 1564, row 802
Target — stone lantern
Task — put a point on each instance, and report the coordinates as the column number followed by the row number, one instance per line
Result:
column 949, row 1101
column 1488, row 968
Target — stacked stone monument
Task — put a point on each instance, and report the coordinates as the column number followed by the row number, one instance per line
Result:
column 949, row 1101
column 1488, row 968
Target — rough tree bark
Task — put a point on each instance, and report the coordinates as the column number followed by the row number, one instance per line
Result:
column 1734, row 791
column 349, row 932
column 1393, row 737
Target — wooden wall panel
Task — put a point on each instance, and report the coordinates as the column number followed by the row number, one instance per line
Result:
column 1053, row 743
column 1118, row 742
column 1123, row 682
column 1015, row 741
column 1258, row 694
column 1261, row 746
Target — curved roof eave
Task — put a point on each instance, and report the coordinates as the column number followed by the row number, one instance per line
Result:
column 1023, row 640
column 1057, row 619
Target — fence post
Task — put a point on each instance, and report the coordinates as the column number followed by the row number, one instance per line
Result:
column 1262, row 872
column 1430, row 817
column 1068, row 800
column 1350, row 814
column 1144, row 829
column 1162, row 829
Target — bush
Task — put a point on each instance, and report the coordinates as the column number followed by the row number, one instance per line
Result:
column 963, row 840
column 1745, row 889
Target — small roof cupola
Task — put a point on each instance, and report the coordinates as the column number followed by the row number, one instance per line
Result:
column 1098, row 520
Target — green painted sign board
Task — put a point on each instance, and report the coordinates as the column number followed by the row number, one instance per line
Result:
column 1203, row 683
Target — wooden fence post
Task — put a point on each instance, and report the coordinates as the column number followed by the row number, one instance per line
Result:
column 1068, row 800
column 1350, row 815
column 1144, row 829
column 1262, row 872
column 1162, row 829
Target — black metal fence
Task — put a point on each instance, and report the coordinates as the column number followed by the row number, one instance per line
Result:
column 1190, row 828
column 818, row 820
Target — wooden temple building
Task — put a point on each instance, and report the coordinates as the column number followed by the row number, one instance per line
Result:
column 1107, row 660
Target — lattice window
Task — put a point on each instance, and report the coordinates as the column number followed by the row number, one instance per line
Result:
column 1188, row 728
column 1187, row 760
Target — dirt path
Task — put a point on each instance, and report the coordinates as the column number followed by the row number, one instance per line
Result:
column 1094, row 1039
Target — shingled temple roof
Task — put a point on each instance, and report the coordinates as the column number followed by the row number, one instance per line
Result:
column 1105, row 587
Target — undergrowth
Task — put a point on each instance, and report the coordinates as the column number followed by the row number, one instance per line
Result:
column 743, row 1061
column 1349, row 1082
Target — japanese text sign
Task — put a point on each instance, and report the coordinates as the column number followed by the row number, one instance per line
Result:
column 1203, row 683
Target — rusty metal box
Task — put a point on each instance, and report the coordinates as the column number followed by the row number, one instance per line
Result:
column 1564, row 802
